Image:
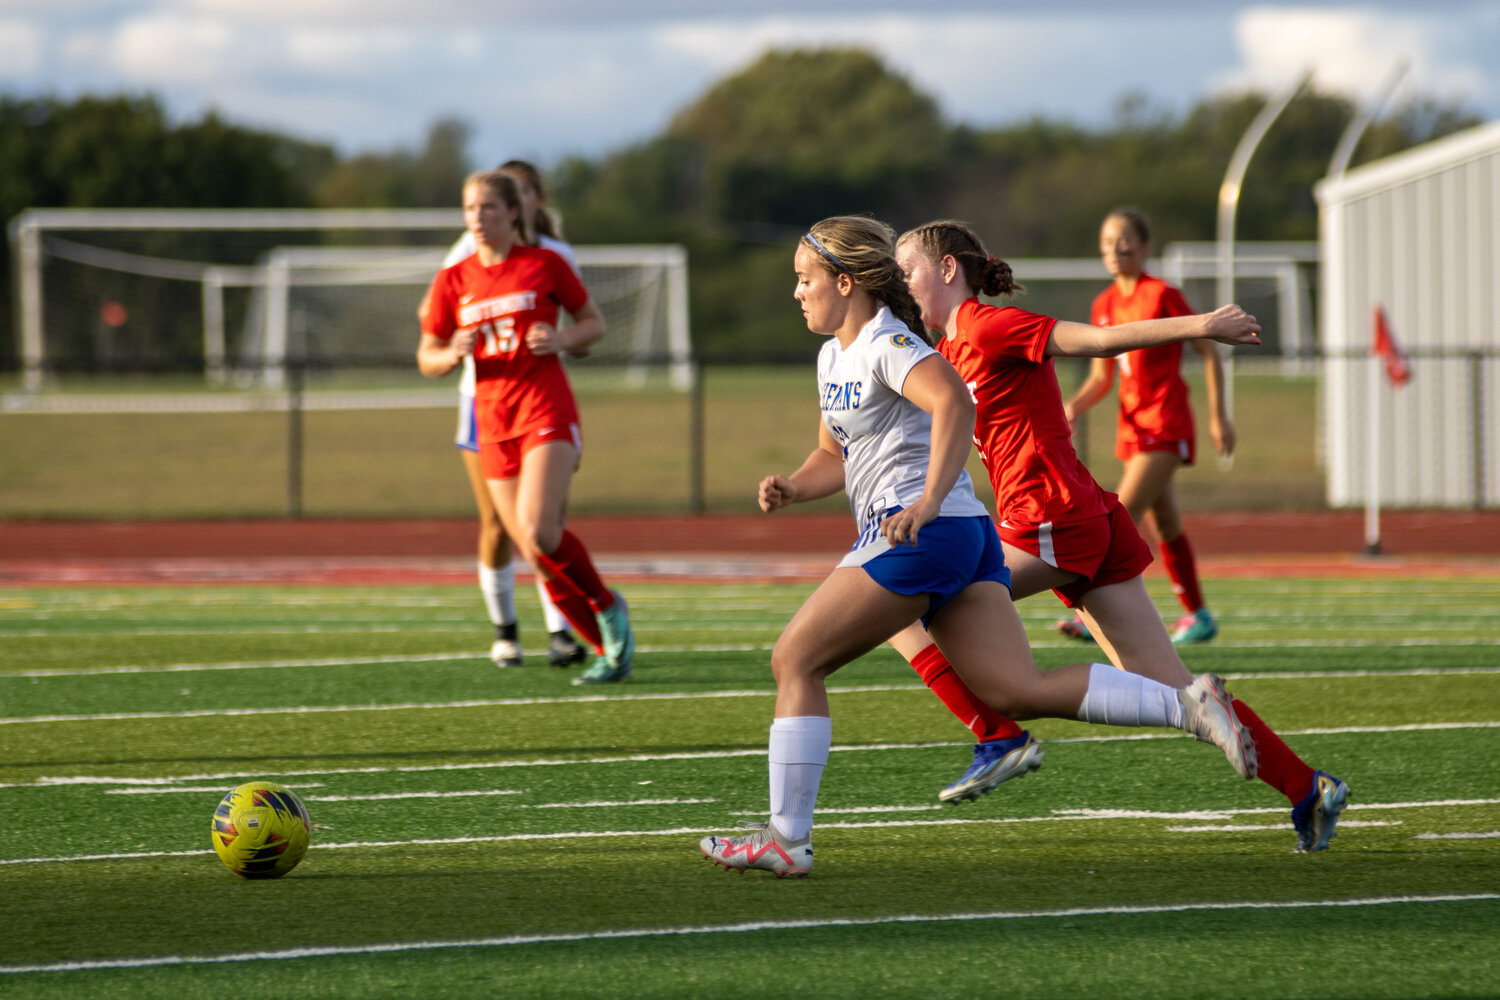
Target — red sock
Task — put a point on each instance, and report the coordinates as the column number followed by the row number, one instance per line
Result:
column 570, row 560
column 576, row 610
column 1182, row 569
column 939, row 675
column 576, row 588
column 1278, row 766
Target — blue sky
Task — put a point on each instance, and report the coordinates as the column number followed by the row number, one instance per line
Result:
column 547, row 79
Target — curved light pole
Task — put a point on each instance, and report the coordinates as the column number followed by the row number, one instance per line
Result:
column 1229, row 201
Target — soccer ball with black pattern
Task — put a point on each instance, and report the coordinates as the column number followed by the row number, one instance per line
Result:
column 261, row 830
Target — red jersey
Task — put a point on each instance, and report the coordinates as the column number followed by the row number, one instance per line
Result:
column 516, row 392
column 1153, row 396
column 1021, row 431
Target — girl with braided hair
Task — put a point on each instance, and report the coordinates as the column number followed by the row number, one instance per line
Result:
column 894, row 434
column 1058, row 528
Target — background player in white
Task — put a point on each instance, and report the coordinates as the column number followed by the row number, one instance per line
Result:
column 497, row 572
column 895, row 431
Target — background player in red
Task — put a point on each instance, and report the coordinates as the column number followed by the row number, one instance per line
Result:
column 497, row 574
column 1155, row 436
column 501, row 305
column 1059, row 529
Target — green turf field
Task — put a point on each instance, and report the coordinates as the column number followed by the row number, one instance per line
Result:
column 482, row 833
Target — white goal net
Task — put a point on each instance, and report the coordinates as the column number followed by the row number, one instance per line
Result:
column 240, row 298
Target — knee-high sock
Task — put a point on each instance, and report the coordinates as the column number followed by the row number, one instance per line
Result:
column 1182, row 570
column 576, row 589
column 798, row 753
column 498, row 585
column 1115, row 698
column 938, row 674
column 1276, row 764
column 556, row 620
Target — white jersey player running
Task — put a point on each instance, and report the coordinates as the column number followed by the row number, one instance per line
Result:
column 895, row 431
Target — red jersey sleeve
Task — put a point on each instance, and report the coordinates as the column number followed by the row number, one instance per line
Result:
column 1174, row 303
column 1010, row 333
column 440, row 320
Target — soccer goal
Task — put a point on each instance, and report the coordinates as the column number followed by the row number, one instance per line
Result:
column 244, row 296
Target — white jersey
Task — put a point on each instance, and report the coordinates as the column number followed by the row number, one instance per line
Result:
column 886, row 438
column 465, row 246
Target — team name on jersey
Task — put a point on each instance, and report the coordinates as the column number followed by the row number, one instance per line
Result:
column 474, row 313
column 841, row 398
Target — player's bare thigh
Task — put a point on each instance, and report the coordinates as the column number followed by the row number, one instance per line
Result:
column 532, row 504
column 847, row 616
column 1147, row 479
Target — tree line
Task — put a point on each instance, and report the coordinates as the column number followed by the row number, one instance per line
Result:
column 739, row 174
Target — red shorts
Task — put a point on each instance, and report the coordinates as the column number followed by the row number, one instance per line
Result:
column 502, row 459
column 1128, row 444
column 1102, row 550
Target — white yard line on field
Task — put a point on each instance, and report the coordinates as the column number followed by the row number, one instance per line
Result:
column 701, row 755
column 1074, row 816
column 765, row 647
column 329, row 951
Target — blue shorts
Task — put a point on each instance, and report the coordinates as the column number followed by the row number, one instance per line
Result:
column 468, row 426
column 951, row 553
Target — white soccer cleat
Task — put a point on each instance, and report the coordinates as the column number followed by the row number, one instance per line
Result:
column 506, row 653
column 764, row 849
column 1208, row 713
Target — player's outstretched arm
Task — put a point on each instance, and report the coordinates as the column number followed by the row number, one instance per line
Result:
column 1227, row 325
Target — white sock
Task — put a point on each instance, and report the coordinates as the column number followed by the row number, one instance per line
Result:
column 799, row 752
column 1116, row 698
column 556, row 620
column 498, row 586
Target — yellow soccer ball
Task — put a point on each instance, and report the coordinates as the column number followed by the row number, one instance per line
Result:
column 261, row 830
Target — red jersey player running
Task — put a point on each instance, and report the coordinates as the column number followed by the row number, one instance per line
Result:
column 1155, row 436
column 501, row 305
column 1059, row 529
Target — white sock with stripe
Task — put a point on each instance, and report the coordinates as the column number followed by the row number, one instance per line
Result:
column 798, row 753
column 1117, row 698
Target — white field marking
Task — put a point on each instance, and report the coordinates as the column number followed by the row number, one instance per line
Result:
column 1344, row 824
column 1094, row 816
column 1491, row 835
column 412, row 795
column 664, row 696
column 467, row 654
column 765, row 647
column 215, row 790
column 331, row 951
column 47, row 781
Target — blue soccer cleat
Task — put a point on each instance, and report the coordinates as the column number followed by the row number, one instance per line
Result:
column 995, row 762
column 1316, row 815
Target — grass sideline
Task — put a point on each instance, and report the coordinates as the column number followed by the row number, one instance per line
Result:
column 485, row 832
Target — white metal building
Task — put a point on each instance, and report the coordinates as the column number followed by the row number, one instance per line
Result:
column 1417, row 234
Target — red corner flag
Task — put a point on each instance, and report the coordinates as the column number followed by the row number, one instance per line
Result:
column 1384, row 347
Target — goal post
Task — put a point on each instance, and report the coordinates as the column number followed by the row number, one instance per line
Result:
column 241, row 294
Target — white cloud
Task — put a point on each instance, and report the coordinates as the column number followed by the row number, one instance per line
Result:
column 1351, row 50
column 20, row 48
column 161, row 49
